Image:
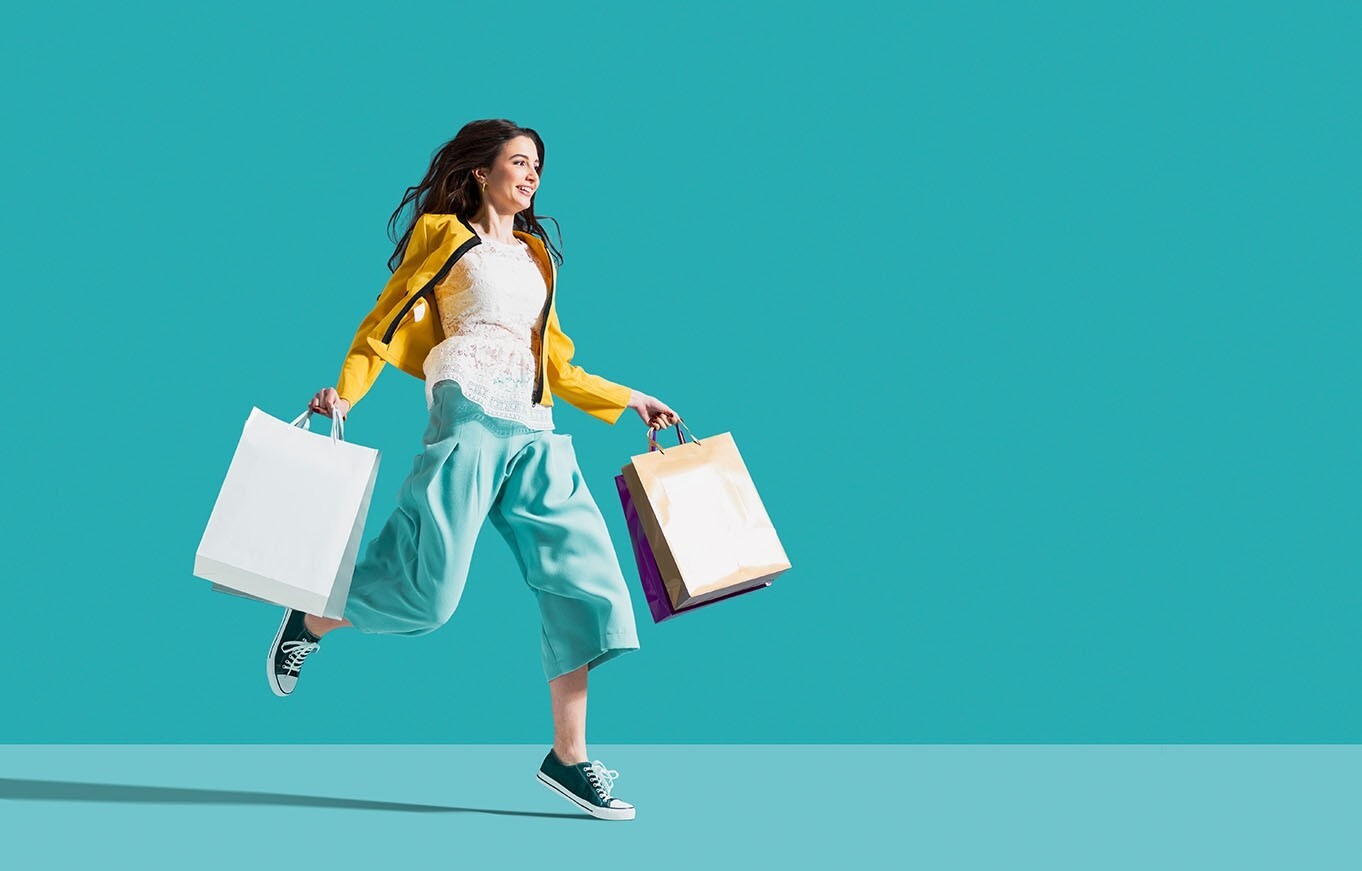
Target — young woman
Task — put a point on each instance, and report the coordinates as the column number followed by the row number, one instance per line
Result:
column 471, row 308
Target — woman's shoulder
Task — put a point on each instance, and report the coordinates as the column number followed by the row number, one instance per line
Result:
column 436, row 230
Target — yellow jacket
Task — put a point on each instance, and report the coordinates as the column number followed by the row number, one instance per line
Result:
column 404, row 324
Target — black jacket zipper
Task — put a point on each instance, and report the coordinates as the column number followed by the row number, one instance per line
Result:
column 425, row 292
column 543, row 344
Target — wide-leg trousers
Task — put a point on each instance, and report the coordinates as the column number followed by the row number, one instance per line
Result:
column 475, row 467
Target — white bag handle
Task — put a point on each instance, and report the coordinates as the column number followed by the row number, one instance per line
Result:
column 337, row 424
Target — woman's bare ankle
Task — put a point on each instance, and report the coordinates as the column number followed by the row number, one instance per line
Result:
column 319, row 626
column 570, row 755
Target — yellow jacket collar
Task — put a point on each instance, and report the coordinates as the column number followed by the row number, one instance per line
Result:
column 457, row 231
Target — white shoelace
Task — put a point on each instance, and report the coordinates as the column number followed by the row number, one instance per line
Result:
column 297, row 651
column 602, row 778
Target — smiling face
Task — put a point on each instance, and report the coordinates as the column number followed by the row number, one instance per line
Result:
column 513, row 177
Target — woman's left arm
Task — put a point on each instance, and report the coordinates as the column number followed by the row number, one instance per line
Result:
column 593, row 394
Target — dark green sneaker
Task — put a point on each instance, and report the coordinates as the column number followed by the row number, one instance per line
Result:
column 292, row 644
column 587, row 785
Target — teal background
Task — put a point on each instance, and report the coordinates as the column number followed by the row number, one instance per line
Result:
column 1037, row 328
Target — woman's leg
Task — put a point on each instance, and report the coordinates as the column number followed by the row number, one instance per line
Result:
column 565, row 769
column 567, row 694
column 546, row 514
column 412, row 575
column 562, row 546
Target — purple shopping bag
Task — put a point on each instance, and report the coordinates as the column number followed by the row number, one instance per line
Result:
column 654, row 590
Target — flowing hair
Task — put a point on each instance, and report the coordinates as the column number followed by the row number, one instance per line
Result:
column 449, row 187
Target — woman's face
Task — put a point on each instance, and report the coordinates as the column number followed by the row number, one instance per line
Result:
column 513, row 177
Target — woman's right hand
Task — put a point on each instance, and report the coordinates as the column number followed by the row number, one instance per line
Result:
column 326, row 400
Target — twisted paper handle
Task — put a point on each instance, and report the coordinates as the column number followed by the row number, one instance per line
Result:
column 680, row 437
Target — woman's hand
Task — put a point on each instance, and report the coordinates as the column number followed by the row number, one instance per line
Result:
column 654, row 411
column 328, row 399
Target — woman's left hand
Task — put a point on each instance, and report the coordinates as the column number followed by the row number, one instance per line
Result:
column 656, row 413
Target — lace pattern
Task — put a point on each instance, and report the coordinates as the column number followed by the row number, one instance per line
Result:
column 489, row 306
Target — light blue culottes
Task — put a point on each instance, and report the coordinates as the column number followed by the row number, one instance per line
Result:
column 473, row 467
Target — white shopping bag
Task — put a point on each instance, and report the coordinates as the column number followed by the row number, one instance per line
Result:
column 287, row 524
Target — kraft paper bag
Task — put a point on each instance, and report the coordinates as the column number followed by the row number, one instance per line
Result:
column 288, row 521
column 659, row 605
column 704, row 522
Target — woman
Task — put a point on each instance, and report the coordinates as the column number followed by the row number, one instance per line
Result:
column 471, row 309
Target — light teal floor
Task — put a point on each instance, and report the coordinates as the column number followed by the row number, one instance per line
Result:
column 701, row 807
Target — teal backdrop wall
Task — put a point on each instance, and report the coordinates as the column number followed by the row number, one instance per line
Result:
column 1037, row 325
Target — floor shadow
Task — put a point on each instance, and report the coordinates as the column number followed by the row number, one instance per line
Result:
column 52, row 790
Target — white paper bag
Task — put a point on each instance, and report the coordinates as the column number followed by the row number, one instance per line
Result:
column 287, row 524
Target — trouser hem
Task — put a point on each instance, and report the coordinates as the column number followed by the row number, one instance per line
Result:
column 613, row 645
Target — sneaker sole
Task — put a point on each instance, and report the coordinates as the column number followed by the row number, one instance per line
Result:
column 601, row 813
column 269, row 660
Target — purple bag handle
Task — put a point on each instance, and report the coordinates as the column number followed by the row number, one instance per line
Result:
column 680, row 437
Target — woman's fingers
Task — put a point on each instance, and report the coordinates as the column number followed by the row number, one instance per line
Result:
column 660, row 416
column 324, row 401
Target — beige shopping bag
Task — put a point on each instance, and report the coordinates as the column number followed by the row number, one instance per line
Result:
column 708, row 529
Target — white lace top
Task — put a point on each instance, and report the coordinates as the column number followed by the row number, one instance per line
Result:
column 489, row 306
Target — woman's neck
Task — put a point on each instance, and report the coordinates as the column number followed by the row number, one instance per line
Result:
column 497, row 227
